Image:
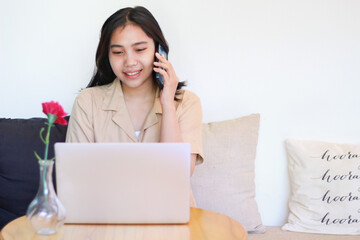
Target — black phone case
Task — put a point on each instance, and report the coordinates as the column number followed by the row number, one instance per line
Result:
column 161, row 50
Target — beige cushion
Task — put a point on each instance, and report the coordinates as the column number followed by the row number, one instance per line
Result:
column 225, row 181
column 325, row 187
column 275, row 233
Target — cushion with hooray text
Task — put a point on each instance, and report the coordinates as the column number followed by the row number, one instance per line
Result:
column 224, row 183
column 325, row 187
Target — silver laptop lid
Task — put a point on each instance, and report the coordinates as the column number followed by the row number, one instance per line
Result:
column 124, row 182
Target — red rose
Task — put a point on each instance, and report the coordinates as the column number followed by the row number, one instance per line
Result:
column 54, row 108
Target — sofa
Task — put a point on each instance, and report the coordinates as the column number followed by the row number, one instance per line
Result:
column 223, row 183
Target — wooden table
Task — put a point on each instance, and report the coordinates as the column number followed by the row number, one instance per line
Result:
column 204, row 224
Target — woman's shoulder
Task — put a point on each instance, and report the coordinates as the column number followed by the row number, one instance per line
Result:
column 94, row 92
column 187, row 100
column 187, row 95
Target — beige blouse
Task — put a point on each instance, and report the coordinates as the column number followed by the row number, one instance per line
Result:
column 99, row 114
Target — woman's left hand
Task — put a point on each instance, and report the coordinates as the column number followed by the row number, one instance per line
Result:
column 170, row 80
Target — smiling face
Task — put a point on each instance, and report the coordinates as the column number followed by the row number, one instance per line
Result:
column 131, row 56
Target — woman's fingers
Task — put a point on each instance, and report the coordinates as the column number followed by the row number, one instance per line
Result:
column 160, row 57
column 164, row 63
column 165, row 66
column 161, row 71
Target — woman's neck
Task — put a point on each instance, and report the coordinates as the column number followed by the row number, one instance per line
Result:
column 145, row 91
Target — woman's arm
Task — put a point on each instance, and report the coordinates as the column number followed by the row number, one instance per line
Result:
column 170, row 128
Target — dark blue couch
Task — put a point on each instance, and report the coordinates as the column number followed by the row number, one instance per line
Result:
column 19, row 169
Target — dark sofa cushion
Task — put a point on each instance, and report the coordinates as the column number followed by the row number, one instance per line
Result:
column 19, row 168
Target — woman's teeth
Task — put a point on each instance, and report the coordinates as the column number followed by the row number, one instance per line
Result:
column 133, row 73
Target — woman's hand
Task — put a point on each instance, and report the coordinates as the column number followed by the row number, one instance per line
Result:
column 170, row 80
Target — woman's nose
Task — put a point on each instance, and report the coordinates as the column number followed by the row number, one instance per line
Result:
column 130, row 60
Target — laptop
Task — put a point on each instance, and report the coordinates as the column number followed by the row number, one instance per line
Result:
column 124, row 183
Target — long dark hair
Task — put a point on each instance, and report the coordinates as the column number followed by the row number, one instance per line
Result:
column 140, row 16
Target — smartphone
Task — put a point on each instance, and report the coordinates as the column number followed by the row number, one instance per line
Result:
column 161, row 51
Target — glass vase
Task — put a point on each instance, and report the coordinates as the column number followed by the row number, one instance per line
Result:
column 46, row 213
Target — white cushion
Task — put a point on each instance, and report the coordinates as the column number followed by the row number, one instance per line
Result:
column 325, row 187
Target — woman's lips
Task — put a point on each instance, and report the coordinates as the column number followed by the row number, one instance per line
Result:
column 132, row 75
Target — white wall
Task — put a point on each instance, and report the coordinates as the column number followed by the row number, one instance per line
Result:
column 295, row 62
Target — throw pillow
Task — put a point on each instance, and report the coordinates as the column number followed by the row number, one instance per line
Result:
column 224, row 183
column 325, row 187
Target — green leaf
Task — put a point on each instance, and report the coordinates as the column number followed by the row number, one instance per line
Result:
column 37, row 156
column 41, row 137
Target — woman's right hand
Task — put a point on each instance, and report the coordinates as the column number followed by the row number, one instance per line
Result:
column 165, row 68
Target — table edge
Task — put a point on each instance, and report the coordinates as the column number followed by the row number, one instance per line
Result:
column 191, row 209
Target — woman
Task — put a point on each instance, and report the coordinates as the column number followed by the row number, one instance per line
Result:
column 124, row 101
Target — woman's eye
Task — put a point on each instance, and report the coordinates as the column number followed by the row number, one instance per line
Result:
column 117, row 53
column 140, row 49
